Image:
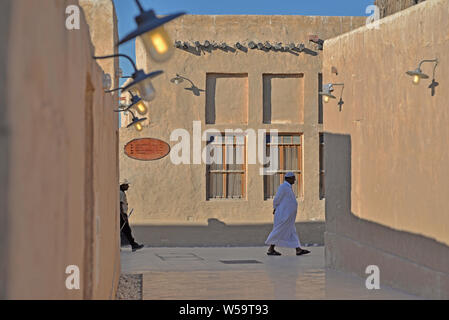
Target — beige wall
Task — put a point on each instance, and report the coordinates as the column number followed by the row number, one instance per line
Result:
column 166, row 194
column 62, row 200
column 388, row 7
column 102, row 21
column 386, row 197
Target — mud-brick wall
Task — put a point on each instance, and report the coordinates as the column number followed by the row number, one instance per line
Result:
column 388, row 7
column 58, row 163
column 386, row 151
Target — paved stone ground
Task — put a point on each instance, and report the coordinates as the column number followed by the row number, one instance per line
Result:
column 243, row 273
column 130, row 287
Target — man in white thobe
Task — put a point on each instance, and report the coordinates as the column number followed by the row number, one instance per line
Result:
column 284, row 229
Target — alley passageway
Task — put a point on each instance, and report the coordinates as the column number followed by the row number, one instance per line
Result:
column 234, row 273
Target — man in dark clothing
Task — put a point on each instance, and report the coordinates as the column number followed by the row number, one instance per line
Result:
column 124, row 225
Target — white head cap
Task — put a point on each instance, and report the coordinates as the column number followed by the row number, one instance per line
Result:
column 289, row 174
column 124, row 181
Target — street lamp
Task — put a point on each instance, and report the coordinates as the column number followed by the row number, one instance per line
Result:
column 136, row 122
column 327, row 92
column 141, row 84
column 141, row 109
column 138, row 103
column 180, row 79
column 417, row 74
column 150, row 29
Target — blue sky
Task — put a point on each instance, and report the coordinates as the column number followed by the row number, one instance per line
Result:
column 127, row 10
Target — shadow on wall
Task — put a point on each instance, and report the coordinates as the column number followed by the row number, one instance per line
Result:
column 217, row 233
column 407, row 261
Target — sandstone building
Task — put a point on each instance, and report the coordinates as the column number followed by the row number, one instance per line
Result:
column 233, row 87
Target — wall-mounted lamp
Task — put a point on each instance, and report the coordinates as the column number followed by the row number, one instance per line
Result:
column 327, row 93
column 150, row 29
column 136, row 122
column 136, row 102
column 141, row 84
column 180, row 79
column 177, row 80
column 417, row 74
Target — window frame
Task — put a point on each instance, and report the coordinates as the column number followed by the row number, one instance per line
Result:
column 282, row 171
column 227, row 172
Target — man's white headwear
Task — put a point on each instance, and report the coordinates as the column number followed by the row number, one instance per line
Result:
column 124, row 181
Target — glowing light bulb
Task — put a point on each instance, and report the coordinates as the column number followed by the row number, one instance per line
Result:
column 139, row 127
column 158, row 44
column 326, row 99
column 416, row 79
column 141, row 108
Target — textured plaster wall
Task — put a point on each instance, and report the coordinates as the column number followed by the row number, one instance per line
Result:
column 102, row 21
column 388, row 7
column 50, row 84
column 163, row 193
column 388, row 196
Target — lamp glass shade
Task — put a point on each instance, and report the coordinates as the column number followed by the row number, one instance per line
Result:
column 137, row 123
column 141, row 108
column 177, row 80
column 138, row 126
column 416, row 79
column 417, row 75
column 158, row 44
column 327, row 95
column 144, row 89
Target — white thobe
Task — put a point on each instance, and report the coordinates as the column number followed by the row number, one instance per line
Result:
column 124, row 201
column 284, row 229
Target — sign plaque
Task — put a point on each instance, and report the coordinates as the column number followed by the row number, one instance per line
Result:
column 147, row 149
